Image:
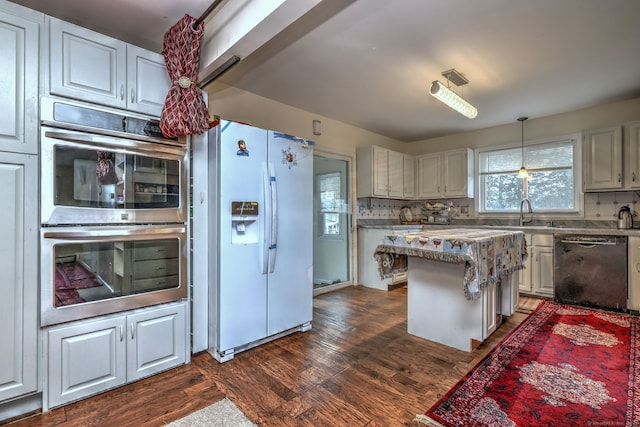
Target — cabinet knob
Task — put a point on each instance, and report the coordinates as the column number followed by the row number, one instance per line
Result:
column 122, row 92
column 133, row 95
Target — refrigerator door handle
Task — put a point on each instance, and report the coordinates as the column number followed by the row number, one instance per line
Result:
column 266, row 188
column 273, row 248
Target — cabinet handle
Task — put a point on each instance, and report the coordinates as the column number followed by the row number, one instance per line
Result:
column 122, row 92
column 619, row 177
column 132, row 330
column 121, row 333
column 633, row 176
column 638, row 267
column 133, row 95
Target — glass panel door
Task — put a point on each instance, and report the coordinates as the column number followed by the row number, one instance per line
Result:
column 332, row 231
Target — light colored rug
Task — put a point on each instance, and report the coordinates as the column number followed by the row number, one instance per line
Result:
column 221, row 414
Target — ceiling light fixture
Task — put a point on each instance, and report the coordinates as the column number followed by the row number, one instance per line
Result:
column 522, row 173
column 449, row 97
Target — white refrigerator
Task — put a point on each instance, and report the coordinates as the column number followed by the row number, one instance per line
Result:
column 252, row 237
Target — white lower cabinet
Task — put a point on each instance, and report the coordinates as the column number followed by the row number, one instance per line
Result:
column 92, row 356
column 633, row 296
column 509, row 293
column 537, row 277
column 19, row 285
column 489, row 310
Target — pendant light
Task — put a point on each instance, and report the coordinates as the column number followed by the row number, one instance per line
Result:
column 522, row 173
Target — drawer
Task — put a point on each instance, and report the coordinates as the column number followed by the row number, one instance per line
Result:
column 164, row 282
column 155, row 268
column 542, row 240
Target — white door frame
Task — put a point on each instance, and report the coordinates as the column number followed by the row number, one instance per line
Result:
column 349, row 158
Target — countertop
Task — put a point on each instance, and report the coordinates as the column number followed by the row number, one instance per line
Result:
column 536, row 229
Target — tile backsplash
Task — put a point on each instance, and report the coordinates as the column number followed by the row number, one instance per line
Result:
column 597, row 206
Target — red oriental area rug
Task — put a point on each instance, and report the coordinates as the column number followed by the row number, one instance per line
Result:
column 563, row 366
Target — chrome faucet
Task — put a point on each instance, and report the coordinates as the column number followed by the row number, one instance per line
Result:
column 523, row 221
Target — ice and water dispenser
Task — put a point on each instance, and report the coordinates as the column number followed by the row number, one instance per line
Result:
column 244, row 223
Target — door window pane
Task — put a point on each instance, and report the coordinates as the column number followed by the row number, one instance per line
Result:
column 331, row 204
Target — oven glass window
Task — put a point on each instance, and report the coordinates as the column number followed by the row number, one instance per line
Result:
column 86, row 272
column 108, row 179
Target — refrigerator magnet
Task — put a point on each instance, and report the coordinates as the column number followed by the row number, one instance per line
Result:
column 242, row 148
column 289, row 158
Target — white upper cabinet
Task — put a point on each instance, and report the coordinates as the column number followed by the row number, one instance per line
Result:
column 147, row 80
column 602, row 159
column 96, row 68
column 396, row 174
column 409, row 177
column 19, row 65
column 632, row 142
column 380, row 172
column 448, row 174
column 458, row 173
column 429, row 175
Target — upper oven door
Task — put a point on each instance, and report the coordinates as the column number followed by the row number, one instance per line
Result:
column 98, row 179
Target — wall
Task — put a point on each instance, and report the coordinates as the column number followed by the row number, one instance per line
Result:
column 535, row 128
column 235, row 104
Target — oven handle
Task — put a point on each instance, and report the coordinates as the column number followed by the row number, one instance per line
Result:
column 113, row 142
column 83, row 234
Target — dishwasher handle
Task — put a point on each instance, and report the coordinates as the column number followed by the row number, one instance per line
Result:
column 588, row 244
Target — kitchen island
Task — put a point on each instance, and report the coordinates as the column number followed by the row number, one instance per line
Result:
column 461, row 281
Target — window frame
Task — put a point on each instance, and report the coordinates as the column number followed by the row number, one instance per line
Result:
column 578, row 196
column 321, row 214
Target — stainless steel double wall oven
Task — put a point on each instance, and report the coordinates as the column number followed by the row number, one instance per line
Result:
column 114, row 207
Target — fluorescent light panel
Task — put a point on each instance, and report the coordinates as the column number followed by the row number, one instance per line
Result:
column 452, row 99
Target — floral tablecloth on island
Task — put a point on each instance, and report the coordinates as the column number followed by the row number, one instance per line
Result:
column 489, row 255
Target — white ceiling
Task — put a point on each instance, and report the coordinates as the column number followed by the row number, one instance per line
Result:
column 370, row 62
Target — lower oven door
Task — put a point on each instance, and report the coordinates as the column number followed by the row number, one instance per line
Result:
column 91, row 271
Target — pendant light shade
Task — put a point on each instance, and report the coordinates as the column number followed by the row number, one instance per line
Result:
column 523, row 173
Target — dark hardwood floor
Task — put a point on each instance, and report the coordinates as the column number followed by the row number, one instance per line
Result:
column 358, row 366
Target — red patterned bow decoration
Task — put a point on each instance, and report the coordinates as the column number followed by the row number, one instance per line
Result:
column 184, row 112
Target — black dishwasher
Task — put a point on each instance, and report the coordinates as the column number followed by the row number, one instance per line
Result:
column 590, row 270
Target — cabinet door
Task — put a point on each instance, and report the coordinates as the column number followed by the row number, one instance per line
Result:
column 524, row 278
column 408, row 178
column 633, row 299
column 380, row 171
column 489, row 310
column 156, row 341
column 456, row 173
column 429, row 175
column 147, row 81
column 85, row 359
column 602, row 153
column 19, row 41
column 509, row 294
column 19, row 285
column 87, row 65
column 542, row 274
column 395, row 168
column 632, row 132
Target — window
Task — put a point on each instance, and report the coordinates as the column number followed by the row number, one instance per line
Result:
column 331, row 204
column 550, row 188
